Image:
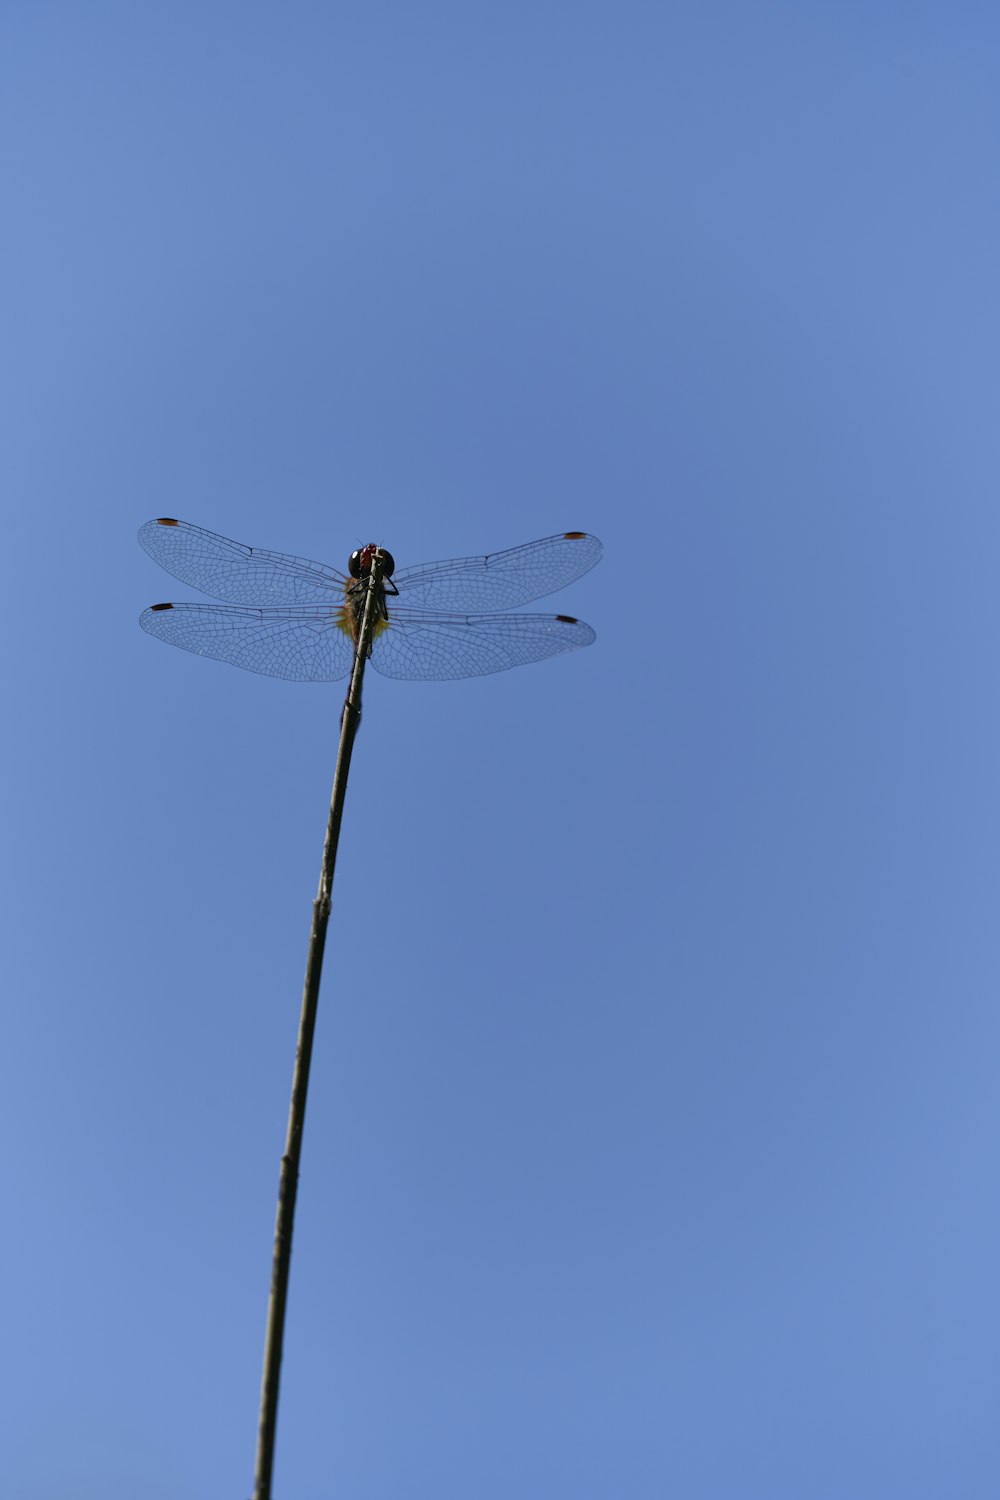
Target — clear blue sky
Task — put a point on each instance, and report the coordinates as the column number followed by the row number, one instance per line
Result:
column 653, row 1132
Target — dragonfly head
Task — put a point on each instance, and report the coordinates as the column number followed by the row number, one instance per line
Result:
column 360, row 563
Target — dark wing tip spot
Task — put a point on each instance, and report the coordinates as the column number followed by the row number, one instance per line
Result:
column 161, row 606
column 575, row 536
column 166, row 521
column 566, row 619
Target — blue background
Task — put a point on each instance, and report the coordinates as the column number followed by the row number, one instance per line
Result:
column 653, row 1130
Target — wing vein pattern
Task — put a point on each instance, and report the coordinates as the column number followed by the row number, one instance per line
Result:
column 235, row 573
column 308, row 643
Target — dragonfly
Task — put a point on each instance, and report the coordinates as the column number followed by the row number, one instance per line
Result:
column 285, row 616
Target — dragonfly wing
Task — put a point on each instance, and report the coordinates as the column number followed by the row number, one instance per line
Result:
column 500, row 580
column 435, row 648
column 229, row 570
column 306, row 644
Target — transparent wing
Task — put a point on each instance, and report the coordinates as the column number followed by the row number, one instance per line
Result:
column 433, row 648
column 229, row 570
column 500, row 580
column 308, row 644
column 305, row 644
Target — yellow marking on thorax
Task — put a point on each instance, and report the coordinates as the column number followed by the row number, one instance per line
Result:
column 345, row 622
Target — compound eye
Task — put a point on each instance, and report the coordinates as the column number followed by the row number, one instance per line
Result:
column 360, row 564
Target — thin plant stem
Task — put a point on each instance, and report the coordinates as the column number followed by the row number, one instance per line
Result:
column 289, row 1176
